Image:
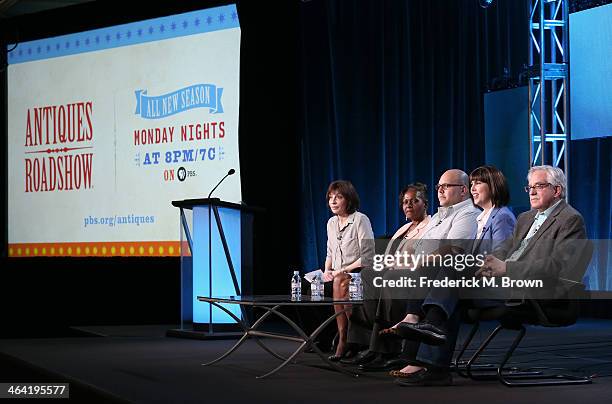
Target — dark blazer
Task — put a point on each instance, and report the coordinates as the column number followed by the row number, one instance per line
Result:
column 557, row 251
column 499, row 228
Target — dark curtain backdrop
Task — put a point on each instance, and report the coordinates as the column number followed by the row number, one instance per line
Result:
column 392, row 94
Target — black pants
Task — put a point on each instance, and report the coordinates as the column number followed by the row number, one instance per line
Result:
column 379, row 310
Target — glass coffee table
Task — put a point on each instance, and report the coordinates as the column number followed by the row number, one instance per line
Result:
column 271, row 304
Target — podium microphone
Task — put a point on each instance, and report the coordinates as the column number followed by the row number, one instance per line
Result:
column 210, row 263
column 230, row 172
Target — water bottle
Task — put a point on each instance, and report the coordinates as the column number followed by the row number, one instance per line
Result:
column 359, row 283
column 296, row 286
column 316, row 287
column 355, row 287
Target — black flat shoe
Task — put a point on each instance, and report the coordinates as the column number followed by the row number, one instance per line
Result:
column 349, row 353
column 361, row 358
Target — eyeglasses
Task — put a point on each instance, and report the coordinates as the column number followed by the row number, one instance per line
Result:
column 444, row 187
column 538, row 187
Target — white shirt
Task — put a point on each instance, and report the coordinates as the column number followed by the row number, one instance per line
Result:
column 456, row 222
column 482, row 219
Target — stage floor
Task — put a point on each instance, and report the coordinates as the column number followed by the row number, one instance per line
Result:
column 140, row 364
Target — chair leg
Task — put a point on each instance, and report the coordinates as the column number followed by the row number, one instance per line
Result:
column 457, row 363
column 537, row 379
column 515, row 343
column 492, row 369
column 483, row 346
column 527, row 378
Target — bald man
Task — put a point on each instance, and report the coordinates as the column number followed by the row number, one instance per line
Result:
column 433, row 318
column 455, row 217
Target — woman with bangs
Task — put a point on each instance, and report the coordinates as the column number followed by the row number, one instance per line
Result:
column 350, row 246
column 490, row 193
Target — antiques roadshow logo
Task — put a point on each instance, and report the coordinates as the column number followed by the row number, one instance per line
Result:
column 55, row 138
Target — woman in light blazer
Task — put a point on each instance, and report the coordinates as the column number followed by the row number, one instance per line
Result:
column 490, row 193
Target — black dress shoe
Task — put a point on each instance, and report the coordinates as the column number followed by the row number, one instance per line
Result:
column 423, row 331
column 383, row 365
column 362, row 357
column 373, row 365
column 426, row 377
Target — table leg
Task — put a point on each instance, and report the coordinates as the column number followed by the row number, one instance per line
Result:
column 246, row 328
column 259, row 342
column 307, row 341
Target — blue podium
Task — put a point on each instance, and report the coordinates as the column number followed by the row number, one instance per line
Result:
column 216, row 260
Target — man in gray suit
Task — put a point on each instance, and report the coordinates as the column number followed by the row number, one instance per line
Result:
column 545, row 245
column 547, row 241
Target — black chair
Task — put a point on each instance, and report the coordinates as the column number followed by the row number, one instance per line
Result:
column 474, row 317
column 561, row 312
column 551, row 313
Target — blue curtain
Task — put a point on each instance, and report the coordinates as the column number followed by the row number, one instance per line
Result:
column 392, row 94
